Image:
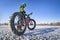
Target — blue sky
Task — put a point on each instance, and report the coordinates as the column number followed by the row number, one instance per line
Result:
column 44, row 11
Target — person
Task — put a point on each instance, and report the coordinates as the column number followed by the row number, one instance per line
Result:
column 22, row 11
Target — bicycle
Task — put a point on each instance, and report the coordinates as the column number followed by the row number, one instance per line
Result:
column 27, row 22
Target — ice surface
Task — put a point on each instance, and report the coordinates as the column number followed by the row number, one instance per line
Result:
column 52, row 33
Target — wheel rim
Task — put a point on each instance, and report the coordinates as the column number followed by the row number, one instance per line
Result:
column 19, row 27
column 31, row 24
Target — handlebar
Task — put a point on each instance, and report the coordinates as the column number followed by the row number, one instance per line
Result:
column 29, row 14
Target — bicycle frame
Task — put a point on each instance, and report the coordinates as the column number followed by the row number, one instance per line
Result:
column 28, row 18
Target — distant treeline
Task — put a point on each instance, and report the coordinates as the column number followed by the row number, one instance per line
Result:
column 44, row 24
column 51, row 24
column 3, row 23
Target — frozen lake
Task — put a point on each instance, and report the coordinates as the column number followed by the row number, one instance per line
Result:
column 39, row 33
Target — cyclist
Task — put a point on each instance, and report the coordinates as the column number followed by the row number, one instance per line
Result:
column 22, row 11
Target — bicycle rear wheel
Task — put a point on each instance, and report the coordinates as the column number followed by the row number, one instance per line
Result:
column 32, row 24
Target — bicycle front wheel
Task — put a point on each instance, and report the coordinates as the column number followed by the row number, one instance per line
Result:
column 14, row 25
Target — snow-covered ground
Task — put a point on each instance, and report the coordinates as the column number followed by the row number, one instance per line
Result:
column 39, row 33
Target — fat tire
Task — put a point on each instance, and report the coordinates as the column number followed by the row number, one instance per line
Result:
column 34, row 25
column 13, row 26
